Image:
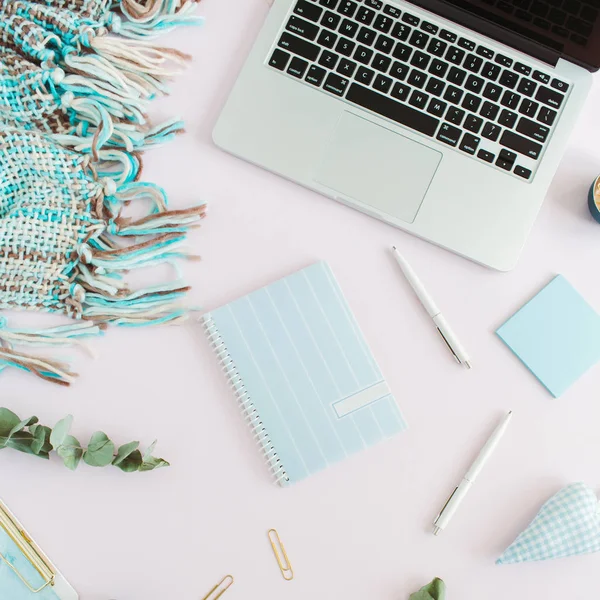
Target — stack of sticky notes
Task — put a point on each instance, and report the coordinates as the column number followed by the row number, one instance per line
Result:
column 556, row 335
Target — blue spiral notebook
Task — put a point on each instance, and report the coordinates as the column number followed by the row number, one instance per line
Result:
column 303, row 374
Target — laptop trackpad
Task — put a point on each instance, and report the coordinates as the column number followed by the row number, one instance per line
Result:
column 378, row 167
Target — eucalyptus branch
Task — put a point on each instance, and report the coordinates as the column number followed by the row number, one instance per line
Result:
column 31, row 437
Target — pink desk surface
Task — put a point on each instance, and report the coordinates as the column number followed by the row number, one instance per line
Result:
column 362, row 529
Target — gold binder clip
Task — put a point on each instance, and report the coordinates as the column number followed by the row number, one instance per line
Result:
column 222, row 587
column 281, row 555
column 29, row 550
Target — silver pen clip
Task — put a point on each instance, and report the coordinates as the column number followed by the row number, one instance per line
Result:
column 449, row 346
column 436, row 529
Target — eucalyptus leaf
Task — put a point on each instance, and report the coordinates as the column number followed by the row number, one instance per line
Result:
column 61, row 431
column 8, row 420
column 436, row 590
column 124, row 451
column 71, row 452
column 100, row 451
column 31, row 437
column 132, row 462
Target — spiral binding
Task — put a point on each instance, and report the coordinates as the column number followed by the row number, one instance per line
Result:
column 249, row 412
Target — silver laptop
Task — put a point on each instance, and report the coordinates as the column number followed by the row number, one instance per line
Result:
column 445, row 118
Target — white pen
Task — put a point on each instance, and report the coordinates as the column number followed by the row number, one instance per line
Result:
column 459, row 493
column 457, row 349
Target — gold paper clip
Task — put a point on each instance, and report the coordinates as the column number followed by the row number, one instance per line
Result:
column 222, row 586
column 29, row 550
column 281, row 555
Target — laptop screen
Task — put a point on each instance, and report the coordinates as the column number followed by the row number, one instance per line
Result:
column 569, row 27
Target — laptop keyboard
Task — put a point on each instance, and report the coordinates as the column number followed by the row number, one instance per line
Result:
column 425, row 77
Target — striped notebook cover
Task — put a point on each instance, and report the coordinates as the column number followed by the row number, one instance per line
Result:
column 303, row 374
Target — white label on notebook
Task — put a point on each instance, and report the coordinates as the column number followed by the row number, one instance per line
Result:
column 363, row 398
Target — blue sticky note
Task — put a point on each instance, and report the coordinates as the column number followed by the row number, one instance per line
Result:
column 556, row 335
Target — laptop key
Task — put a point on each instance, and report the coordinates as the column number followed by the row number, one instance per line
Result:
column 382, row 83
column 437, row 47
column 299, row 46
column 402, row 52
column 345, row 47
column 308, row 10
column 491, row 71
column 346, row 67
column 448, row 36
column 489, row 111
column 539, row 76
column 335, row 84
column 486, row 156
column 420, row 60
column 348, row 28
column 418, row 99
column 473, row 123
column 365, row 15
column 456, row 76
column 455, row 55
column 384, row 43
column 381, row 62
column 411, row 19
column 510, row 99
column 366, row 36
column 327, row 38
column 399, row 70
column 449, row 135
column 438, row 68
column 429, row 27
column 533, row 130
column 401, row 31
column 559, row 85
column 492, row 92
column 509, row 79
column 474, row 83
column 550, row 97
column 347, row 8
column 469, row 143
column 401, row 92
column 417, row 79
column 528, row 107
column 453, row 94
column 297, row 67
column 383, row 23
column 508, row 118
column 485, row 52
column 521, row 144
column 504, row 60
column 437, row 107
column 547, row 116
column 468, row 44
column 393, row 110
column 315, row 75
column 473, row 63
column 491, row 131
column 435, row 86
column 388, row 9
column 364, row 75
column 376, row 4
column 522, row 172
column 279, row 59
column 331, row 20
column 419, row 39
column 328, row 59
column 328, row 3
column 363, row 55
column 455, row 115
column 471, row 102
column 526, row 87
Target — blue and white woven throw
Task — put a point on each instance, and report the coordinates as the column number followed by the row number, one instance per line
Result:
column 567, row 525
column 76, row 78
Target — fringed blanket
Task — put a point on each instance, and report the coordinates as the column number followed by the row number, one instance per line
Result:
column 76, row 78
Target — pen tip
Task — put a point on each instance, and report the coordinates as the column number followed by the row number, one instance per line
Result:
column 394, row 248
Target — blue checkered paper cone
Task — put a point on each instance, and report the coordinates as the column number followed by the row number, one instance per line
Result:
column 567, row 525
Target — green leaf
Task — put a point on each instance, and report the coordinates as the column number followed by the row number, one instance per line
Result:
column 61, row 431
column 70, row 451
column 150, row 450
column 124, row 451
column 436, row 590
column 8, row 420
column 20, row 426
column 22, row 441
column 100, row 451
column 152, row 463
column 41, row 443
column 132, row 462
